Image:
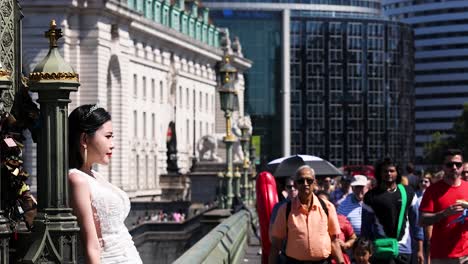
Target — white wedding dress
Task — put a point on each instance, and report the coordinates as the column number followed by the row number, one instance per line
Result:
column 111, row 208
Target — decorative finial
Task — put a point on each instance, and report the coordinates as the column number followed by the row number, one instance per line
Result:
column 53, row 34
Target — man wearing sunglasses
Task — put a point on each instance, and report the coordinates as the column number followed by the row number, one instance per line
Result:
column 440, row 208
column 310, row 230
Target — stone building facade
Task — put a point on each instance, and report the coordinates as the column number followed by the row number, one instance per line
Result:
column 149, row 63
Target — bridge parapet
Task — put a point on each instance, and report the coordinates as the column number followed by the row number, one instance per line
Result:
column 226, row 243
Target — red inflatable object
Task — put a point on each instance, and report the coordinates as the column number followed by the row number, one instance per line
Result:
column 267, row 197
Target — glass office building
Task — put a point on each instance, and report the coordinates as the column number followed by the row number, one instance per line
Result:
column 441, row 63
column 342, row 77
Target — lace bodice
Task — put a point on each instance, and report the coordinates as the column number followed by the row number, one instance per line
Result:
column 111, row 206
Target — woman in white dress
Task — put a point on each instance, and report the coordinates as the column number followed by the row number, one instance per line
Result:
column 100, row 207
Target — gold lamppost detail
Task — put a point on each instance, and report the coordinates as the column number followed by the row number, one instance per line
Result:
column 228, row 96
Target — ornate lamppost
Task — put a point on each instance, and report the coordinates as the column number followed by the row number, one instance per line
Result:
column 5, row 232
column 228, row 98
column 246, row 126
column 54, row 238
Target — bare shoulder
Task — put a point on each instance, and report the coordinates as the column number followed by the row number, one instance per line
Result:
column 77, row 180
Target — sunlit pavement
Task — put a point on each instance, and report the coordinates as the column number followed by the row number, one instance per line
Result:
column 252, row 252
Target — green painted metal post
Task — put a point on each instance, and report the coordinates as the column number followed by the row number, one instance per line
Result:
column 54, row 238
column 245, row 126
column 229, row 139
column 221, row 196
column 228, row 97
column 5, row 232
column 237, row 183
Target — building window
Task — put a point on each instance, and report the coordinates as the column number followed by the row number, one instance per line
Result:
column 206, row 103
column 212, row 104
column 153, row 126
column 153, row 90
column 180, row 96
column 144, row 87
column 201, row 101
column 146, row 171
column 137, row 169
column 201, row 128
column 188, row 133
column 135, row 85
column 135, row 123
column 187, row 98
column 144, row 124
column 161, row 92
column 194, row 99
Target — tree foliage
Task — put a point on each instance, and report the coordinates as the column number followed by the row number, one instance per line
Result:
column 434, row 150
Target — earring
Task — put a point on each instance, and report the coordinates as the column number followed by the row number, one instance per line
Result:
column 85, row 155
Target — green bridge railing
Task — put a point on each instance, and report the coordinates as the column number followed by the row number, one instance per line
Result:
column 226, row 243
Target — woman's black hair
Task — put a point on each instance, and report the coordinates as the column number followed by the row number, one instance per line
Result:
column 84, row 119
column 384, row 163
column 363, row 243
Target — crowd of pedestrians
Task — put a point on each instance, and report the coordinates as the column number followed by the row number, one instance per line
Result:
column 390, row 219
column 160, row 216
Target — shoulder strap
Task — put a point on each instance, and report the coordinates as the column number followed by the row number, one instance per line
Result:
column 324, row 206
column 402, row 210
column 288, row 211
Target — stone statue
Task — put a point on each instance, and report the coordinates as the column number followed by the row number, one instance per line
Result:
column 207, row 148
column 236, row 47
column 225, row 40
column 237, row 152
column 172, row 80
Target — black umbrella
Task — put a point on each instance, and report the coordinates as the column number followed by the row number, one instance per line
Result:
column 287, row 166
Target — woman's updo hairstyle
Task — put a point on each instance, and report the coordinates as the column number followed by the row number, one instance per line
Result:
column 84, row 119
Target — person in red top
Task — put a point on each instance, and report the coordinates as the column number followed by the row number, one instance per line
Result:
column 440, row 207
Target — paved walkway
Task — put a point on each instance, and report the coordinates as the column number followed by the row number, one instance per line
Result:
column 251, row 253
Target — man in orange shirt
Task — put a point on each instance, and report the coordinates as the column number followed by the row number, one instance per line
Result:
column 310, row 230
